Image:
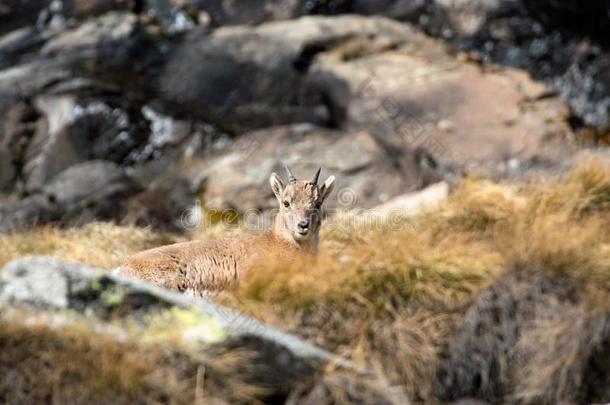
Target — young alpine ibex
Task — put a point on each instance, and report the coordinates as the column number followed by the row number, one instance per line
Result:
column 201, row 267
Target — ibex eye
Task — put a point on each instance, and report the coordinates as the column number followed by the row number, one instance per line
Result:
column 286, row 204
column 318, row 205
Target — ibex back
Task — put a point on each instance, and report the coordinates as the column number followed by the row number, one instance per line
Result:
column 200, row 267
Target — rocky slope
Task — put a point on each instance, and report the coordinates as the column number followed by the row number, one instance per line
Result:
column 187, row 99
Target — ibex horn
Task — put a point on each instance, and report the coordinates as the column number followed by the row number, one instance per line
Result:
column 291, row 178
column 314, row 181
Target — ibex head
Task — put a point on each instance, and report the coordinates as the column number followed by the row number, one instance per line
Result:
column 299, row 217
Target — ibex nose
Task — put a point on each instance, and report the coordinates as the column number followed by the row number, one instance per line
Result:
column 303, row 224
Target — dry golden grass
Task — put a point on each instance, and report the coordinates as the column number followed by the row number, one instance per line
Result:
column 74, row 364
column 98, row 244
column 564, row 232
column 391, row 296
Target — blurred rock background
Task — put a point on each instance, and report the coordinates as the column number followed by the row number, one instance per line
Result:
column 490, row 286
column 134, row 110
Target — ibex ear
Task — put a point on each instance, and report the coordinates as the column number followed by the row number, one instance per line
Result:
column 327, row 187
column 277, row 185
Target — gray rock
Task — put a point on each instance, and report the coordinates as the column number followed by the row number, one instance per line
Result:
column 89, row 184
column 32, row 77
column 52, row 149
column 21, row 42
column 33, row 210
column 72, row 131
column 239, row 81
column 108, row 49
column 586, row 86
column 103, row 31
column 83, row 192
column 36, row 283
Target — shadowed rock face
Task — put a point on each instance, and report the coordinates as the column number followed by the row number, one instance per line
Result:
column 587, row 17
column 16, row 13
column 240, row 80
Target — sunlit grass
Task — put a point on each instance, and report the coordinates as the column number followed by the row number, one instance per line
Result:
column 98, row 244
column 389, row 296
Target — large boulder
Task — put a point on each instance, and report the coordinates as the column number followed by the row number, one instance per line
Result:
column 251, row 77
column 388, row 80
column 417, row 95
column 94, row 186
